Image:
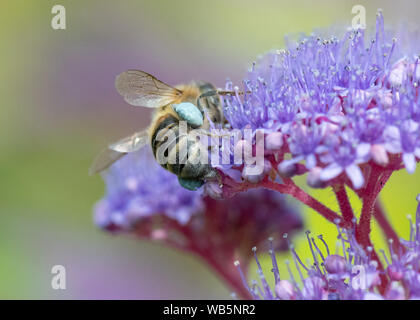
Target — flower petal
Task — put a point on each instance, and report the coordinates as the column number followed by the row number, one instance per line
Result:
column 330, row 172
column 409, row 162
column 310, row 161
column 355, row 175
column 363, row 150
column 392, row 138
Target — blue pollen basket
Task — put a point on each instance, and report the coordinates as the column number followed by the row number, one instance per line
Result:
column 190, row 184
column 190, row 113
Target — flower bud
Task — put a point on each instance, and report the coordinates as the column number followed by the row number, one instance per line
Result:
column 395, row 273
column 313, row 178
column 398, row 73
column 379, row 154
column 287, row 169
column 313, row 286
column 274, row 141
column 284, row 290
column 335, row 264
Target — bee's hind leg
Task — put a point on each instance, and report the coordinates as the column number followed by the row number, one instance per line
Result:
column 190, row 113
column 195, row 183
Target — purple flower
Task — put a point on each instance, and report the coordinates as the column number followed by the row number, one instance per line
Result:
column 404, row 269
column 137, row 188
column 144, row 199
column 351, row 274
column 344, row 156
column 304, row 142
column 329, row 277
column 405, row 139
column 336, row 103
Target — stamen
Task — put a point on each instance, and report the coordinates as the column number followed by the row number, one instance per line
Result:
column 312, row 251
column 275, row 269
column 317, row 249
column 262, row 276
column 320, row 237
column 241, row 274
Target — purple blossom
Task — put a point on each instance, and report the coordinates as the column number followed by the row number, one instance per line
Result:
column 405, row 139
column 343, row 109
column 144, row 199
column 305, row 143
column 344, row 156
column 329, row 277
column 337, row 103
column 351, row 274
column 404, row 269
column 137, row 187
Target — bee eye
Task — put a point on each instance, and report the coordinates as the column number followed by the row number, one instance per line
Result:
column 189, row 112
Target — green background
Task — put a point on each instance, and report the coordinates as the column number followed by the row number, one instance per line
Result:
column 59, row 107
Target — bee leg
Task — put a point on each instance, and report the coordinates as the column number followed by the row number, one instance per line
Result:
column 190, row 113
column 190, row 184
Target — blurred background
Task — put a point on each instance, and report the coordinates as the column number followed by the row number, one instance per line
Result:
column 59, row 108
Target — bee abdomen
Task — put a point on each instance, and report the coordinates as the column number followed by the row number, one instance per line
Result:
column 164, row 125
column 166, row 128
column 176, row 153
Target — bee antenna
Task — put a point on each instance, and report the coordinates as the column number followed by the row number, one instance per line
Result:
column 206, row 94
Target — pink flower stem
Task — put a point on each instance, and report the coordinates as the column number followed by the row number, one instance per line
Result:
column 377, row 179
column 387, row 228
column 344, row 203
column 289, row 187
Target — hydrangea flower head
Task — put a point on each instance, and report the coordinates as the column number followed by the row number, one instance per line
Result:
column 137, row 188
column 343, row 110
column 335, row 104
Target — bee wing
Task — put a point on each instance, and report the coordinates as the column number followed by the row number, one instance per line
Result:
column 104, row 159
column 117, row 150
column 131, row 143
column 142, row 89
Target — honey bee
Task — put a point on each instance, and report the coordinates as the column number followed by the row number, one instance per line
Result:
column 197, row 104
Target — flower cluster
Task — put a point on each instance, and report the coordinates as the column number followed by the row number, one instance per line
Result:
column 404, row 268
column 346, row 112
column 338, row 105
column 138, row 188
column 145, row 200
column 349, row 275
